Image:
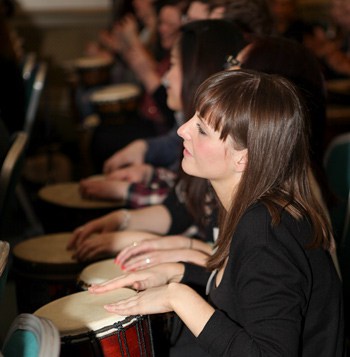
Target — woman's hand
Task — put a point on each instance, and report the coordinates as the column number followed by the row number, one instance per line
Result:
column 133, row 153
column 165, row 256
column 108, row 244
column 151, row 301
column 105, row 189
column 148, row 278
column 107, row 223
column 162, row 250
column 188, row 305
column 133, row 173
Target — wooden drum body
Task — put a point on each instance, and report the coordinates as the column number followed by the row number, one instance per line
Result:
column 87, row 329
column 93, row 71
column 117, row 103
column 44, row 271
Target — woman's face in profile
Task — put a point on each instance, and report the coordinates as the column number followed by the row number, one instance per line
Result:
column 174, row 81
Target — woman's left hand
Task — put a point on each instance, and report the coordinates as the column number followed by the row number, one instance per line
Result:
column 153, row 258
column 151, row 301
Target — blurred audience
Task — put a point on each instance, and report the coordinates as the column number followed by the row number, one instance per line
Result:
column 332, row 44
column 287, row 21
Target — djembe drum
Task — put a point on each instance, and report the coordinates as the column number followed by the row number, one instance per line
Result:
column 44, row 271
column 88, row 330
column 62, row 208
column 93, row 71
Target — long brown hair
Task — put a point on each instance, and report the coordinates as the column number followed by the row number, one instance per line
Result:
column 203, row 48
column 263, row 113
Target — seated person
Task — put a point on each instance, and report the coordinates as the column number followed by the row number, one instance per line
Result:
column 272, row 288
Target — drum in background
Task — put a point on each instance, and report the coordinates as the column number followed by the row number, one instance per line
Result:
column 93, row 71
column 120, row 121
column 98, row 273
column 62, row 208
column 116, row 103
column 87, row 329
column 44, row 271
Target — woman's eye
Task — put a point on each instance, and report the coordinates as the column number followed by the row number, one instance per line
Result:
column 200, row 130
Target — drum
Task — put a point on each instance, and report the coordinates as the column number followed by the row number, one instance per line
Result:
column 93, row 71
column 44, row 271
column 87, row 329
column 98, row 273
column 120, row 122
column 116, row 103
column 62, row 208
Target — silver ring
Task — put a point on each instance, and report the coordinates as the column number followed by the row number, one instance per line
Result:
column 148, row 260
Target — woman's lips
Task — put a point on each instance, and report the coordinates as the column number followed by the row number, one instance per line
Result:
column 186, row 152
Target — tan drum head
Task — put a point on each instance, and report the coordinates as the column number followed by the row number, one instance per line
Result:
column 82, row 312
column 92, row 62
column 115, row 93
column 67, row 195
column 47, row 249
column 99, row 272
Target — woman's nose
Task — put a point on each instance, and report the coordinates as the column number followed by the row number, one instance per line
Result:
column 183, row 131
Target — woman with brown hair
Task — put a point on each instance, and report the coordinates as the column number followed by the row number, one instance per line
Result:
column 273, row 290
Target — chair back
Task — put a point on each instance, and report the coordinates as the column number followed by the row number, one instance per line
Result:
column 34, row 86
column 31, row 336
column 11, row 170
column 4, row 255
column 28, row 66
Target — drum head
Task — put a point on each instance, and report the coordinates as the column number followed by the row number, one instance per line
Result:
column 82, row 312
column 115, row 93
column 99, row 272
column 92, row 62
column 48, row 249
column 67, row 195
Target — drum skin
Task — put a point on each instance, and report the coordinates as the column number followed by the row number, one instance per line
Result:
column 99, row 272
column 44, row 271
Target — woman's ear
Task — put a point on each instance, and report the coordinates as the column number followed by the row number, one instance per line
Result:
column 242, row 159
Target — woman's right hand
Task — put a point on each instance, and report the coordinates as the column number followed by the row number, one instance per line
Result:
column 107, row 223
column 108, row 244
column 133, row 173
column 133, row 153
column 108, row 189
column 156, row 276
